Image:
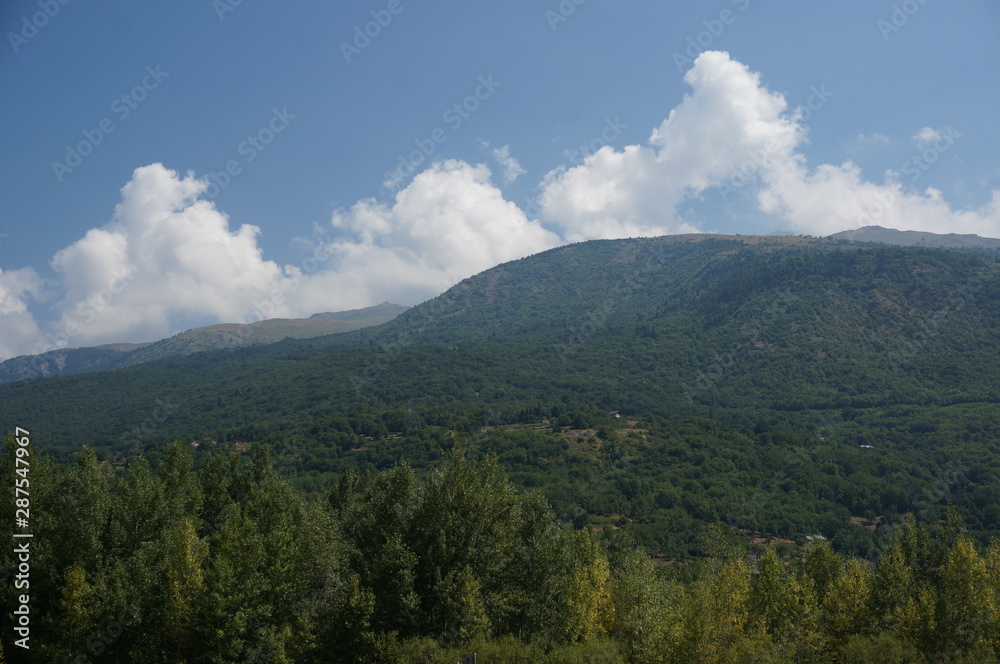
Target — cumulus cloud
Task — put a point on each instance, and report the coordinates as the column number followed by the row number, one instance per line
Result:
column 448, row 224
column 832, row 198
column 732, row 133
column 726, row 119
column 169, row 260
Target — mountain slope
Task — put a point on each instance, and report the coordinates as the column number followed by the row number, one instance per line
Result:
column 66, row 362
column 671, row 325
column 782, row 384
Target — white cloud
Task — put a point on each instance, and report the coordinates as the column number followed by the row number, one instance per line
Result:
column 862, row 141
column 20, row 331
column 731, row 132
column 832, row 198
column 511, row 167
column 926, row 136
column 448, row 224
column 727, row 119
column 166, row 261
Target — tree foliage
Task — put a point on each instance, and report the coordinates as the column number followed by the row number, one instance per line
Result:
column 395, row 566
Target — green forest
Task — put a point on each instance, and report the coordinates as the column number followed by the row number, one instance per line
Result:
column 674, row 449
column 227, row 563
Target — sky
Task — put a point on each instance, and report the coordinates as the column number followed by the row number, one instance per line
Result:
column 170, row 165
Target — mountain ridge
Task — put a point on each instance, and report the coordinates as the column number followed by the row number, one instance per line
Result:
column 110, row 357
column 678, row 324
column 881, row 235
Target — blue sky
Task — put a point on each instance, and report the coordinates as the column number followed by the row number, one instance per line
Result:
column 808, row 117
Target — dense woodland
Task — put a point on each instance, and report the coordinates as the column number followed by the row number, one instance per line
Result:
column 228, row 563
column 670, row 449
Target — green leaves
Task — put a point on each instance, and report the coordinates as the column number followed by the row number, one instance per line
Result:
column 403, row 566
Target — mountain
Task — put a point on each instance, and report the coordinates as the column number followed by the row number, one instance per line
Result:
column 679, row 324
column 782, row 384
column 108, row 357
column 918, row 239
